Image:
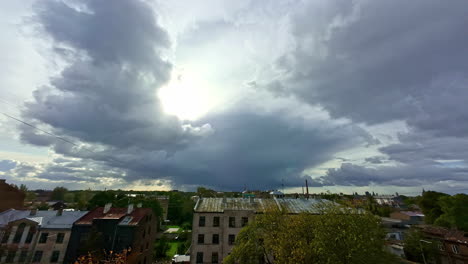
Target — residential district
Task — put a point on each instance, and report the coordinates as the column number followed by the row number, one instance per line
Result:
column 141, row 227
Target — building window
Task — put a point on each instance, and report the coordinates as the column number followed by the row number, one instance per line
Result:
column 245, row 221
column 5, row 237
column 199, row 257
column 60, row 237
column 214, row 257
column 37, row 256
column 201, row 221
column 10, row 256
column 216, row 221
column 201, row 239
column 55, row 256
column 232, row 221
column 215, row 239
column 29, row 237
column 23, row 255
column 231, row 239
column 43, row 238
column 455, row 249
column 19, row 233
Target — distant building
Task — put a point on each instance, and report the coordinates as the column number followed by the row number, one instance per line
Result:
column 10, row 197
column 217, row 221
column 164, row 202
column 409, row 217
column 36, row 236
column 452, row 244
column 389, row 200
column 115, row 229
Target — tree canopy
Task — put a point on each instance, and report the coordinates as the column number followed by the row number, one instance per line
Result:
column 339, row 235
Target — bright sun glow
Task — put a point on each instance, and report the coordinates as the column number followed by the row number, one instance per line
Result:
column 187, row 96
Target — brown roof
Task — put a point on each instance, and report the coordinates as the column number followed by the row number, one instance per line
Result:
column 115, row 213
column 452, row 235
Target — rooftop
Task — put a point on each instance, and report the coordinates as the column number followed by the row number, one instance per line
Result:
column 116, row 214
column 45, row 219
column 447, row 234
column 259, row 205
column 412, row 213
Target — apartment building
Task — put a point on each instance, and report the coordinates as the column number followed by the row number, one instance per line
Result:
column 217, row 221
column 115, row 229
column 35, row 236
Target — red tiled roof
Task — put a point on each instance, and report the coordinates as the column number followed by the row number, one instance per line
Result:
column 447, row 234
column 114, row 213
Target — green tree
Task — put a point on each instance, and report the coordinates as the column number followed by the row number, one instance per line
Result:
column 416, row 246
column 180, row 210
column 338, row 235
column 204, row 192
column 58, row 194
column 455, row 212
column 161, row 247
column 429, row 203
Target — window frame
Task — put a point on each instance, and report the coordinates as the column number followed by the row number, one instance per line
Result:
column 57, row 256
column 216, row 222
column 62, row 238
column 232, row 221
column 244, row 221
column 233, row 241
column 201, row 239
column 200, row 222
column 37, row 257
column 213, row 239
column 43, row 238
column 214, row 257
column 455, row 249
column 199, row 257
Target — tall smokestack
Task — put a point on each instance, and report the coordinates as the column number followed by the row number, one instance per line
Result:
column 307, row 190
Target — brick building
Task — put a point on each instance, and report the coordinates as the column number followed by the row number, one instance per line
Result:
column 115, row 229
column 217, row 221
column 10, row 197
column 36, row 236
column 452, row 245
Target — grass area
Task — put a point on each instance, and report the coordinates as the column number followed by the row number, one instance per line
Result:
column 172, row 226
column 172, row 248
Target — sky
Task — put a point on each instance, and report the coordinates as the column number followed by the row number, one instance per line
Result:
column 353, row 96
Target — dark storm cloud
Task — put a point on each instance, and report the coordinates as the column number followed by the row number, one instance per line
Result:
column 407, row 175
column 105, row 98
column 376, row 61
column 256, row 149
column 107, row 93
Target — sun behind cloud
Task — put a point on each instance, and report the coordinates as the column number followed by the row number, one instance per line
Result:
column 187, row 95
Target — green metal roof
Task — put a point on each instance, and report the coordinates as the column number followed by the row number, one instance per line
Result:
column 259, row 205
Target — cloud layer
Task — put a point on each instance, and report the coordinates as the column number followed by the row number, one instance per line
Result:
column 305, row 82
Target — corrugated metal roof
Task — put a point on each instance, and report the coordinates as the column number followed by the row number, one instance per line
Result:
column 46, row 219
column 259, row 205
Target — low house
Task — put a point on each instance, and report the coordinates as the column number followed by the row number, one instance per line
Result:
column 452, row 244
column 36, row 236
column 10, row 197
column 116, row 230
column 409, row 217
